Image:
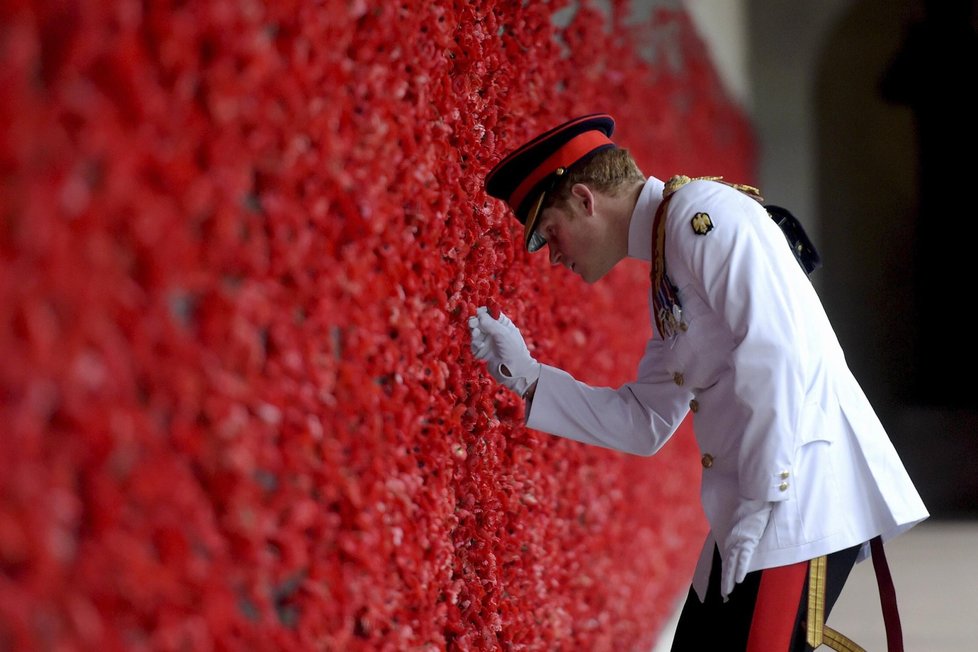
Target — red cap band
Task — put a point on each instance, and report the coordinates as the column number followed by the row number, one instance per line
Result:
column 571, row 152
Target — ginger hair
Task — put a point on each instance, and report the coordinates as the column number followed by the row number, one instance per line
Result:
column 606, row 172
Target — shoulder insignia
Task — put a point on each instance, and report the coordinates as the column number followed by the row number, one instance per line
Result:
column 702, row 224
column 678, row 181
column 674, row 184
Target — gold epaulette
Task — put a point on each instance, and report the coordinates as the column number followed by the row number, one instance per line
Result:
column 680, row 180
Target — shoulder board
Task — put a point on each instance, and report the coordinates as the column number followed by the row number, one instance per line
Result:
column 680, row 180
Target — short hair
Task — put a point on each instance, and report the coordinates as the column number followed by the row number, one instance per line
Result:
column 608, row 171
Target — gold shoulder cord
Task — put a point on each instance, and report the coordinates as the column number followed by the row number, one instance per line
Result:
column 680, row 180
column 817, row 631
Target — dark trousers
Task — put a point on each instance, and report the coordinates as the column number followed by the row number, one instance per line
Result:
column 718, row 625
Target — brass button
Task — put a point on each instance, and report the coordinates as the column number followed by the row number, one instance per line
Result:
column 783, row 486
column 784, row 475
column 678, row 378
column 707, row 461
column 694, row 405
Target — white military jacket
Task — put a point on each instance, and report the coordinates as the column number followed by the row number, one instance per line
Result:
column 778, row 415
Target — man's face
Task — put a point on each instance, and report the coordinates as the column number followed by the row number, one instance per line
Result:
column 576, row 238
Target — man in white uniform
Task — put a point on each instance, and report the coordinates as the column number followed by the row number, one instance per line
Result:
column 799, row 476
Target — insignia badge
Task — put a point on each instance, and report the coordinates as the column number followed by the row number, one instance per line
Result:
column 702, row 224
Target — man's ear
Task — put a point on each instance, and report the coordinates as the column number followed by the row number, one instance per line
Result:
column 583, row 194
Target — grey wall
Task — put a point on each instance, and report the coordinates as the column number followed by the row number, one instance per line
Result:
column 846, row 162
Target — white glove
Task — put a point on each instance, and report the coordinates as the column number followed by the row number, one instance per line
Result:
column 749, row 522
column 500, row 344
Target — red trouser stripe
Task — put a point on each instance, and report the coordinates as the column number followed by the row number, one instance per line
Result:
column 776, row 609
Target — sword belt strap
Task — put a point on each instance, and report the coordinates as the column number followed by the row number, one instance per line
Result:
column 818, row 633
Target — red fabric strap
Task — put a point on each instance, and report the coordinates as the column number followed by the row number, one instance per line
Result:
column 891, row 615
column 568, row 154
column 776, row 608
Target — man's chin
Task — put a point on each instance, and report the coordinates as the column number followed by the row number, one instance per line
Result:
column 591, row 278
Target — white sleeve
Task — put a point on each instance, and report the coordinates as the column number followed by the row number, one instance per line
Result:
column 637, row 418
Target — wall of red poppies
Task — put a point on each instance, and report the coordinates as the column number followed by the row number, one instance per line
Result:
column 239, row 244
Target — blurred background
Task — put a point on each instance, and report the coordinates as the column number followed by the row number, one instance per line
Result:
column 865, row 118
column 860, row 110
column 238, row 242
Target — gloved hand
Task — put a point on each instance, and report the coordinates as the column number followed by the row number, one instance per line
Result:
column 749, row 522
column 500, row 344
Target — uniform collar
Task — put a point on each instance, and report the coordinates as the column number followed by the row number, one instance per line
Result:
column 640, row 226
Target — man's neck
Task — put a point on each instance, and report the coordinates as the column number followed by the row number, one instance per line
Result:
column 622, row 210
